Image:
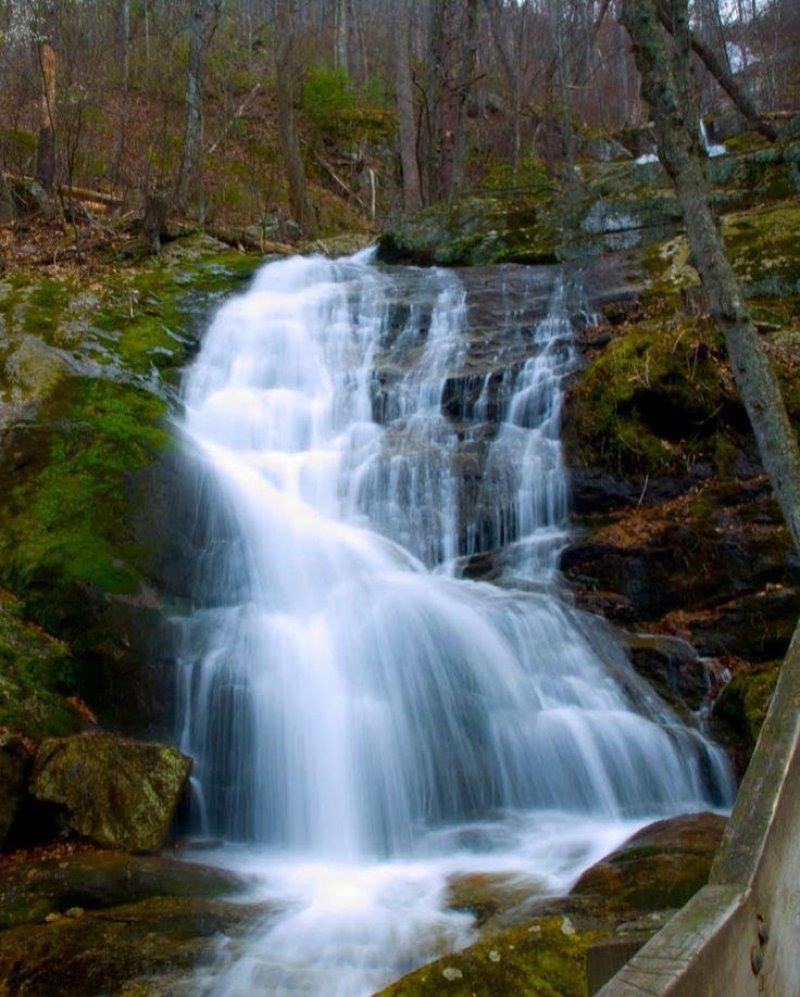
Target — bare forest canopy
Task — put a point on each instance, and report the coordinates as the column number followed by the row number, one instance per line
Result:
column 323, row 115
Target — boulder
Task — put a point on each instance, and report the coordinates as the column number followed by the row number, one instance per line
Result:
column 118, row 792
column 14, row 766
column 88, row 879
column 660, row 867
column 126, row 949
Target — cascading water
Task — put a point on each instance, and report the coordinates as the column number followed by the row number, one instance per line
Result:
column 364, row 719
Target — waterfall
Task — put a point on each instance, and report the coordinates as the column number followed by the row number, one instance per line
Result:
column 361, row 713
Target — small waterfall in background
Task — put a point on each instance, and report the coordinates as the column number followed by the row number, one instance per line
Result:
column 366, row 721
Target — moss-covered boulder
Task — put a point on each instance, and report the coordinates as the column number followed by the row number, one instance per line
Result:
column 660, row 867
column 117, row 950
column 89, row 879
column 547, row 957
column 119, row 793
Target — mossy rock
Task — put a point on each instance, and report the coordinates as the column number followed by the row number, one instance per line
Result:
column 617, row 206
column 119, row 793
column 660, row 867
column 88, row 376
column 97, row 880
column 102, row 952
column 485, row 895
column 742, row 708
column 547, row 957
column 540, row 945
column 34, row 670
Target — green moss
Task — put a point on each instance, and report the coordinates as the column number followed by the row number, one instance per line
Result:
column 655, row 400
column 547, row 958
column 743, row 705
column 33, row 668
column 763, row 248
column 65, row 521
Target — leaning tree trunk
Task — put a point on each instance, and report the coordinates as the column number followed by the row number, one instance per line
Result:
column 664, row 77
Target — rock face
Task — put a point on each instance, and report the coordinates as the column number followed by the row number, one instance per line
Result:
column 617, row 206
column 92, row 520
column 119, row 793
column 14, row 765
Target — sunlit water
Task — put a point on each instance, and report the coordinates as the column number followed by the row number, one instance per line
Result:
column 366, row 723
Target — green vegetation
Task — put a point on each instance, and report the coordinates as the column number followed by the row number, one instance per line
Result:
column 35, row 669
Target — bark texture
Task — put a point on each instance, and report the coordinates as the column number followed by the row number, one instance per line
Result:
column 46, row 146
column 203, row 17
column 287, row 71
column 407, row 127
column 663, row 73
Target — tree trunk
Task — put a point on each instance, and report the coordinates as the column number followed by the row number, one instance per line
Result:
column 407, row 128
column 342, row 36
column 466, row 76
column 286, row 71
column 46, row 147
column 203, row 16
column 435, row 99
column 676, row 135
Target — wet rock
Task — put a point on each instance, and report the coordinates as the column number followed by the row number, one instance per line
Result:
column 486, row 894
column 671, row 665
column 660, row 867
column 540, row 946
column 96, row 880
column 119, row 793
column 536, row 959
column 15, row 762
column 108, row 951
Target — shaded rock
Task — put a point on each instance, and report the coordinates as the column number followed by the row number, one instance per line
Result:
column 742, row 707
column 100, row 952
column 96, row 880
column 660, row 867
column 15, row 762
column 671, row 666
column 119, row 793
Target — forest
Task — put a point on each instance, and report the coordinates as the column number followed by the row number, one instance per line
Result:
column 254, row 118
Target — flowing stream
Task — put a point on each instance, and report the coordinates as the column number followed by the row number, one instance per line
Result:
column 368, row 723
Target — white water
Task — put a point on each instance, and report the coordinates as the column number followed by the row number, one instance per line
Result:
column 365, row 722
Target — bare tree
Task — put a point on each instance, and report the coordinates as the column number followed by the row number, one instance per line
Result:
column 46, row 50
column 203, row 20
column 407, row 125
column 666, row 82
column 287, row 67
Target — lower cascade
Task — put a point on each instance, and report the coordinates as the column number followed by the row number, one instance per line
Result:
column 366, row 721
